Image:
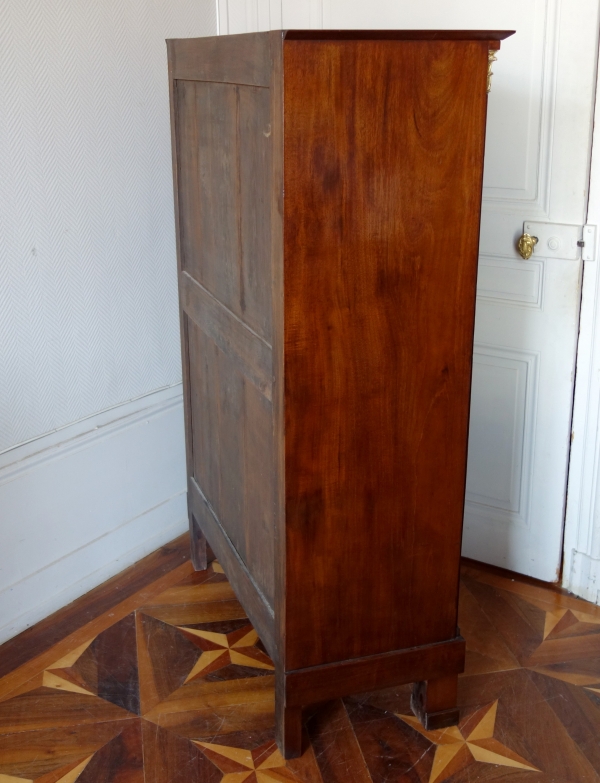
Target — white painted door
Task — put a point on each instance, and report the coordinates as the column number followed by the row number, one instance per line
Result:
column 537, row 160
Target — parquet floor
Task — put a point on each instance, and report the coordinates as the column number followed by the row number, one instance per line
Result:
column 172, row 685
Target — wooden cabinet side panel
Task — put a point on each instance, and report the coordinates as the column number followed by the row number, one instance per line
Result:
column 382, row 171
column 278, row 398
column 223, row 163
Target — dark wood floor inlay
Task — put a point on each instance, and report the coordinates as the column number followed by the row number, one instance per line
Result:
column 179, row 689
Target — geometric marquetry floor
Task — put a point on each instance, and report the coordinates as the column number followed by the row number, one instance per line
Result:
column 173, row 686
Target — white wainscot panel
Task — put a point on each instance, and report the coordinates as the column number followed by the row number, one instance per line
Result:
column 514, row 282
column 498, row 473
column 81, row 504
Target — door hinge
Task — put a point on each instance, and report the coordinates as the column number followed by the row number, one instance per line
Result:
column 588, row 243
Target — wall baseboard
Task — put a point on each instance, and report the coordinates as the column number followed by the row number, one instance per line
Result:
column 79, row 505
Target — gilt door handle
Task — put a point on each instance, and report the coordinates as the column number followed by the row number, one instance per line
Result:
column 525, row 245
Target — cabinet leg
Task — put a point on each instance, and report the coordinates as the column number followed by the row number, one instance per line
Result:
column 197, row 546
column 288, row 726
column 434, row 702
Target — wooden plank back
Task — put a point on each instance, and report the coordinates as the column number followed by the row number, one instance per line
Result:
column 222, row 132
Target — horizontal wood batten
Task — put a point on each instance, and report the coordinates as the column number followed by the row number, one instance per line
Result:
column 237, row 59
column 397, row 35
column 251, row 354
column 260, row 613
column 333, row 680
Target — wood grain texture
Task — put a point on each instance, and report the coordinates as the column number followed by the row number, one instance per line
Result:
column 434, row 702
column 223, row 186
column 170, row 757
column 40, row 638
column 255, row 603
column 116, row 659
column 195, row 534
column 17, row 679
column 251, row 354
column 488, row 36
column 203, row 709
column 383, row 175
column 38, row 753
column 121, row 759
column 330, row 681
column 235, row 59
column 44, row 708
column 288, row 719
column 232, row 431
column 516, row 723
column 336, row 746
column 197, row 545
column 222, row 180
column 277, row 304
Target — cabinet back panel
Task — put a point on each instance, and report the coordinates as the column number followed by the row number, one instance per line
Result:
column 383, row 161
column 243, row 59
column 232, row 447
column 224, row 202
column 224, row 205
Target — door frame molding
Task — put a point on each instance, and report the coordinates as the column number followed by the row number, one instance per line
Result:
column 581, row 552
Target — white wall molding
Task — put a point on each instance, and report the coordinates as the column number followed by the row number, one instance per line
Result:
column 249, row 16
column 81, row 504
column 72, row 436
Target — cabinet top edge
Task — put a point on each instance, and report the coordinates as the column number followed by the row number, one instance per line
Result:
column 397, row 35
column 368, row 35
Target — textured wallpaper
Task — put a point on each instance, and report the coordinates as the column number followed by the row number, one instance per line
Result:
column 88, row 293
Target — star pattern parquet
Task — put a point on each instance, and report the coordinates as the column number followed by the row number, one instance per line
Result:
column 179, row 689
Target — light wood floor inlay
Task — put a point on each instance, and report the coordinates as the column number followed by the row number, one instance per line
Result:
column 174, row 686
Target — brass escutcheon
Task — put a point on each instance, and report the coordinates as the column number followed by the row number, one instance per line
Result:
column 525, row 245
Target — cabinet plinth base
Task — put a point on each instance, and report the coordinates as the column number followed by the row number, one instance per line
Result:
column 197, row 545
column 288, row 722
column 434, row 702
